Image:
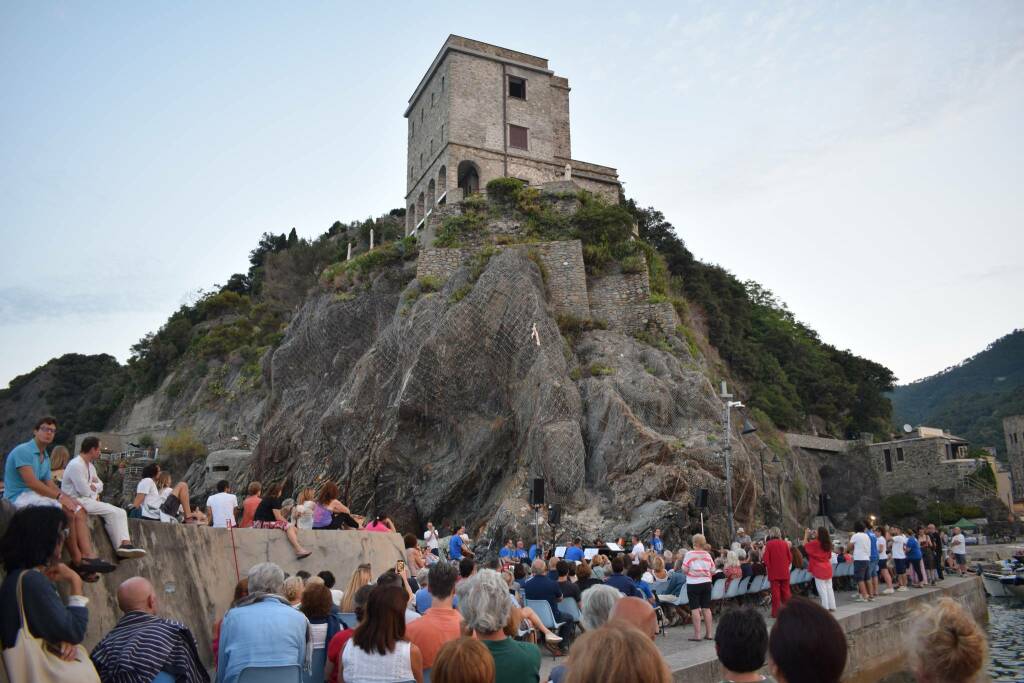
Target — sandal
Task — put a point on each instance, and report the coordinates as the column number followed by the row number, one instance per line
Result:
column 302, row 556
column 88, row 575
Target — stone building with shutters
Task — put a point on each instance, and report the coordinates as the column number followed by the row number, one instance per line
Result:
column 482, row 112
column 925, row 460
column 1013, row 430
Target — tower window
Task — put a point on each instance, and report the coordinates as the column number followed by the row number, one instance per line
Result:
column 899, row 455
column 888, row 460
column 442, row 83
column 518, row 137
column 517, row 87
column 431, row 100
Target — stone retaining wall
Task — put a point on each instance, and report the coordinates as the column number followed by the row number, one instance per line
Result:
column 623, row 301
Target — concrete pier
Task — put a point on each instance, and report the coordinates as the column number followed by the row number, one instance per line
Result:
column 873, row 633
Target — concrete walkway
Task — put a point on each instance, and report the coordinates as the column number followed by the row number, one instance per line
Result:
column 696, row 662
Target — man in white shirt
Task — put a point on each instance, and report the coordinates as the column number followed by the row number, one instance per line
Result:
column 860, row 546
column 222, row 506
column 899, row 557
column 637, row 553
column 83, row 484
column 958, row 545
column 430, row 536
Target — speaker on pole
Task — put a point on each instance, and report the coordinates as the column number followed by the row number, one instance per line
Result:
column 554, row 513
column 701, row 500
column 537, row 492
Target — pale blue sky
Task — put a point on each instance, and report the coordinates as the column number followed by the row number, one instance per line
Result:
column 865, row 161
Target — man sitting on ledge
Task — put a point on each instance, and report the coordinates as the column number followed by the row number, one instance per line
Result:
column 83, row 484
column 142, row 644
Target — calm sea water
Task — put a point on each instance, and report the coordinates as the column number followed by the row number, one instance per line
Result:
column 1006, row 639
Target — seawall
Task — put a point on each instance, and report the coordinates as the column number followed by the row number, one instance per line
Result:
column 193, row 568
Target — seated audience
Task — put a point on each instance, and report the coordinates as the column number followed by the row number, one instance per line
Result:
column 142, row 644
column 59, row 458
column 522, row 614
column 619, row 580
column 252, row 501
column 302, row 513
column 597, row 606
column 292, row 590
column 330, row 581
column 732, row 568
column 378, row 650
column 241, row 590
column 262, row 629
column 84, row 486
column 221, row 506
column 585, row 578
column 317, row 605
column 657, row 572
column 635, row 573
column 569, row 589
column 485, row 609
column 337, row 643
column 150, row 501
column 268, row 516
column 946, row 645
column 463, row 660
column 615, row 652
column 30, row 550
column 806, row 644
column 542, row 587
column 360, row 577
column 637, row 613
column 422, row 598
column 741, row 643
column 441, row 622
column 331, row 513
column 393, row 578
column 414, row 559
column 172, row 506
column 381, row 523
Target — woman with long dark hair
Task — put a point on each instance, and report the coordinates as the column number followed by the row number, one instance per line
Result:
column 31, row 556
column 269, row 516
column 819, row 563
column 331, row 513
column 378, row 650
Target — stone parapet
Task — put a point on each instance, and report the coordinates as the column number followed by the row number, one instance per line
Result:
column 818, row 443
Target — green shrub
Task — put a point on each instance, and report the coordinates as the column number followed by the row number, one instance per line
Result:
column 597, row 258
column 534, row 256
column 655, row 298
column 600, row 370
column 899, row 506
column 430, row 283
column 478, row 264
column 460, row 293
column 183, row 447
column 597, row 222
column 455, row 229
column 147, row 441
column 475, row 202
column 651, row 339
column 633, row 264
column 572, row 327
column 575, row 374
column 504, row 190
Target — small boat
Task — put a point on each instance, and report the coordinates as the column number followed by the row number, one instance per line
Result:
column 1004, row 579
column 1013, row 584
column 994, row 584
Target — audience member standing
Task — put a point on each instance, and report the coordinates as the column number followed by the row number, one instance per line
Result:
column 860, row 545
column 142, row 644
column 937, row 546
column 806, row 644
column 431, row 538
column 698, row 565
column 958, row 546
column 777, row 558
column 819, row 560
column 946, row 644
column 899, row 558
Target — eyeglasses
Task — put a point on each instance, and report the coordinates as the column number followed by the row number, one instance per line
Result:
column 48, row 430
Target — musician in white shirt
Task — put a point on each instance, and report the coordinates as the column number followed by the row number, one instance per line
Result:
column 83, row 484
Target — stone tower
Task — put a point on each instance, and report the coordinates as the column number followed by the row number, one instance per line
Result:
column 482, row 112
column 1013, row 430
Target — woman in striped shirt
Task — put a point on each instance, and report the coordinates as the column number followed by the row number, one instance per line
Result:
column 698, row 565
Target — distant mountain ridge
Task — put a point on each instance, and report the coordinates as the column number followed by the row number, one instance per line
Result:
column 971, row 398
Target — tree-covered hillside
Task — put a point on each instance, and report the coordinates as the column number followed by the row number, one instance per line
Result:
column 969, row 399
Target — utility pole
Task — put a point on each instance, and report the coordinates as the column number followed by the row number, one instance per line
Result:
column 727, row 406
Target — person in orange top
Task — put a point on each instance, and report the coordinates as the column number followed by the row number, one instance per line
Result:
column 777, row 559
column 250, row 504
column 441, row 622
column 819, row 564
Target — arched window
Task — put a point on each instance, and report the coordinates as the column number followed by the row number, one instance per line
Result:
column 431, row 197
column 442, row 180
column 420, row 212
column 469, row 177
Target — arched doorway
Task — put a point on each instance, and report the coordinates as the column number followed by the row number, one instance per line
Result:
column 469, row 177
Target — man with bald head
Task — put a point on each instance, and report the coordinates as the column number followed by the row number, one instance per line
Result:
column 142, row 644
column 637, row 613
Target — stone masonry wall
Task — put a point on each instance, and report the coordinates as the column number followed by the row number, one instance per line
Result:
column 1013, row 429
column 623, row 301
column 562, row 261
column 924, row 467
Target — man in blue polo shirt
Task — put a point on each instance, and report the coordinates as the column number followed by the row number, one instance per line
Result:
column 620, row 581
column 520, row 552
column 27, row 482
column 507, row 551
column 457, row 547
column 657, row 545
column 574, row 553
column 873, row 566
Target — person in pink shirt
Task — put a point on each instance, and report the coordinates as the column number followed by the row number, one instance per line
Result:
column 381, row 523
column 698, row 565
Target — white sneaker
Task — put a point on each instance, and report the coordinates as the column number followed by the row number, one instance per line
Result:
column 552, row 639
column 888, row 591
column 860, row 598
column 902, row 589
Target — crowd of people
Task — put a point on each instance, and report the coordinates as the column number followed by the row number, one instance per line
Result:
column 439, row 614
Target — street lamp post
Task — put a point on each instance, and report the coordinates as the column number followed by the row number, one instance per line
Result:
column 747, row 429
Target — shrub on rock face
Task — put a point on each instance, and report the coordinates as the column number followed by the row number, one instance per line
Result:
column 504, row 190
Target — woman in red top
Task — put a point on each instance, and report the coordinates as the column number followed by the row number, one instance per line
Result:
column 819, row 563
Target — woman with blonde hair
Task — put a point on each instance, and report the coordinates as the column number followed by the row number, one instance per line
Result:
column 293, row 587
column 946, row 645
column 464, row 660
column 302, row 513
column 360, row 577
column 616, row 653
column 59, row 458
column 698, row 565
